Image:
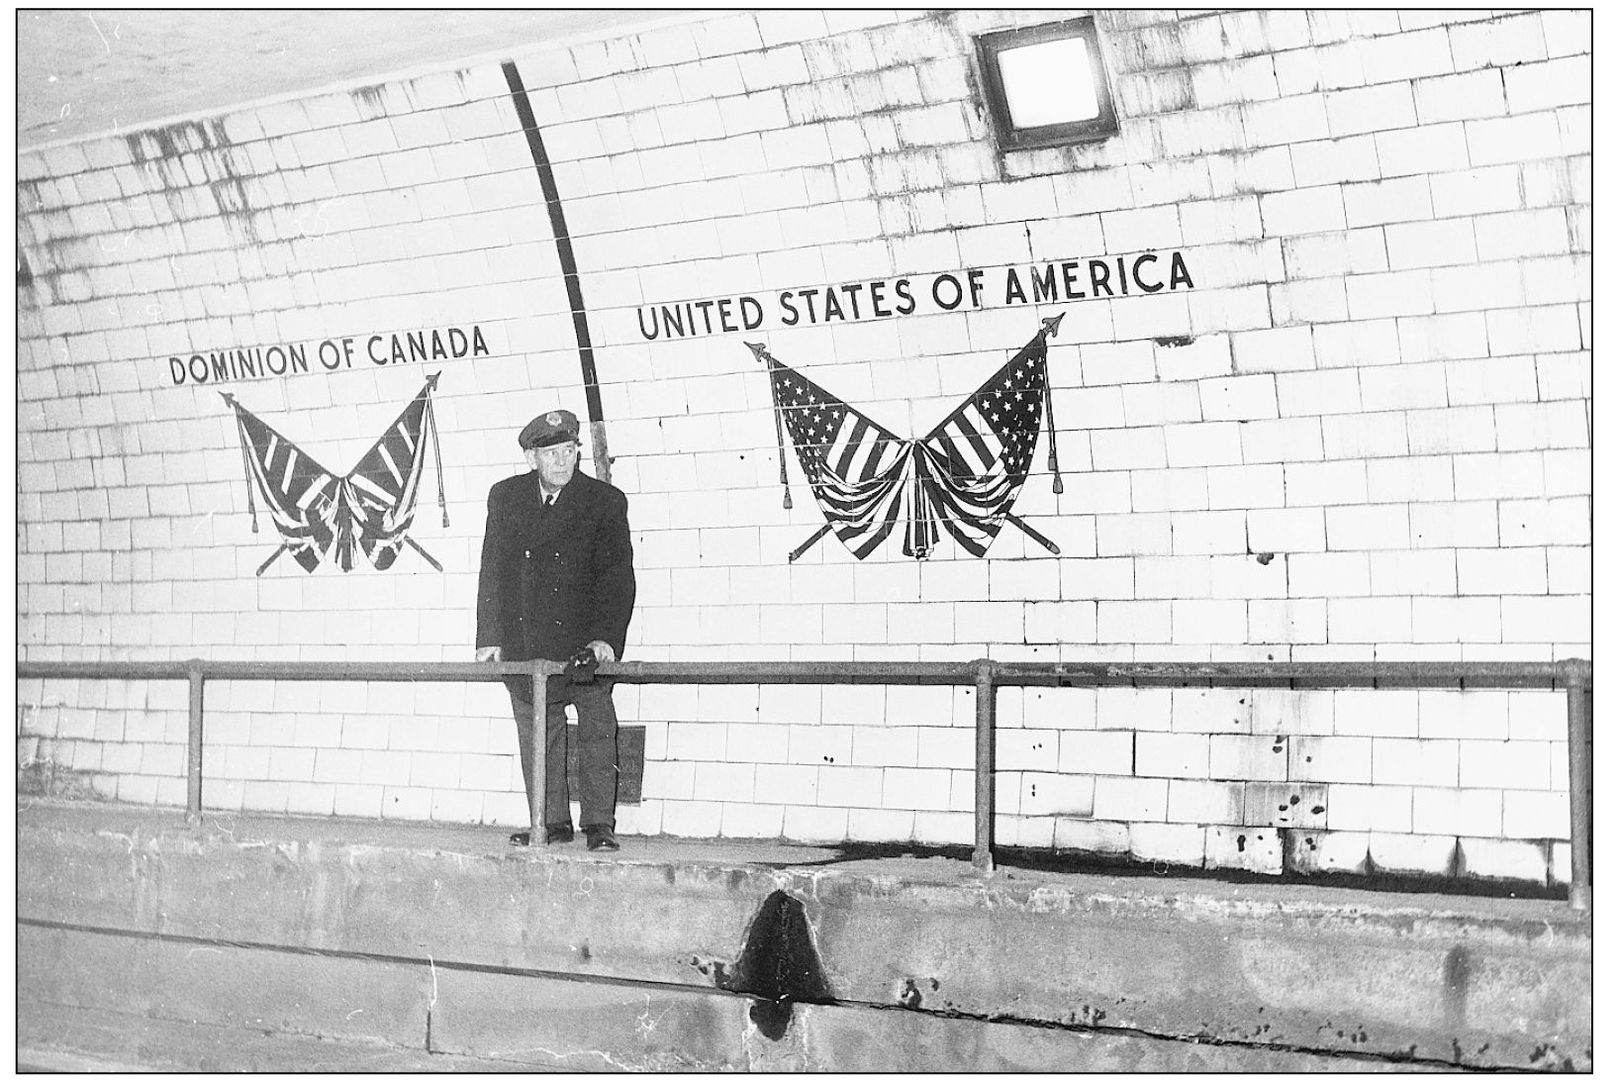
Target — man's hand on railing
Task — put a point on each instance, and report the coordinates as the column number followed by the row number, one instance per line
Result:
column 488, row 653
column 603, row 651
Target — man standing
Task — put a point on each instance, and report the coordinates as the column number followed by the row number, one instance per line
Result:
column 557, row 577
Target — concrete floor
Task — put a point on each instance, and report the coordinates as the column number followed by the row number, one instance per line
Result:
column 1241, row 890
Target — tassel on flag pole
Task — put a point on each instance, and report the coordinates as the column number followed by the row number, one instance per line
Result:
column 438, row 462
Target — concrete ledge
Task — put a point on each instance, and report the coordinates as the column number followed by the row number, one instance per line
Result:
column 138, row 1004
column 1277, row 969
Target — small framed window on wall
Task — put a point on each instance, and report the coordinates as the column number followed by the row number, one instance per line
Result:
column 1046, row 85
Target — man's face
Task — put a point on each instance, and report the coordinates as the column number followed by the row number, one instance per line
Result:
column 556, row 463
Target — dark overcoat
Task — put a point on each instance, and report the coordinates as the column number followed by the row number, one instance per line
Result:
column 551, row 582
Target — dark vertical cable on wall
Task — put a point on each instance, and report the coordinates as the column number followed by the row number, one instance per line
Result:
column 570, row 269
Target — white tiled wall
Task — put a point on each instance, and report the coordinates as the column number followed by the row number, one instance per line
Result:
column 1379, row 386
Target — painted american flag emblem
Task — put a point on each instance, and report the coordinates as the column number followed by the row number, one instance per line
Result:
column 961, row 478
column 320, row 515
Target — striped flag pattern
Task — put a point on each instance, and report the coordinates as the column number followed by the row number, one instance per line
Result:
column 974, row 463
column 299, row 492
column 854, row 465
column 379, row 496
column 320, row 515
column 963, row 476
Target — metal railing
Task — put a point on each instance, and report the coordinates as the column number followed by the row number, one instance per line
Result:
column 1573, row 676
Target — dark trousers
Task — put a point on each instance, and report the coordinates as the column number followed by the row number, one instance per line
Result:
column 598, row 748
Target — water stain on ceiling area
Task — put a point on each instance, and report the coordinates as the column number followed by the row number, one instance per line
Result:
column 87, row 72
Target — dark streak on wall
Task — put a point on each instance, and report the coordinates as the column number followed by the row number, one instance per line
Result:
column 161, row 151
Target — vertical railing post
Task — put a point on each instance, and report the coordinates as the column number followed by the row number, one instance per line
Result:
column 194, row 744
column 536, row 758
column 1577, row 686
column 984, row 768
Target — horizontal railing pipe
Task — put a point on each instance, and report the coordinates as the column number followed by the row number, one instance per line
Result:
column 1331, row 674
column 280, row 670
column 1339, row 674
column 1573, row 676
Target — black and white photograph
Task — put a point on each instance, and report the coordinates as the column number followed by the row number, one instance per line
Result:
column 804, row 540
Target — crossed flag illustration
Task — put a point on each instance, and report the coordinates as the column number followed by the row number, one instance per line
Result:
column 321, row 515
column 962, row 477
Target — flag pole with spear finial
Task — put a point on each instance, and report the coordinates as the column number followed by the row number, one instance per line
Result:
column 247, row 470
column 761, row 354
column 1049, row 330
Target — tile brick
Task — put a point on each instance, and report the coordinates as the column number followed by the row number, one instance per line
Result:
column 1090, row 836
column 1246, row 848
column 1239, row 398
column 1414, row 572
column 1057, row 794
column 1285, row 804
column 1330, row 759
column 1536, row 86
column 1566, row 32
column 1131, row 799
column 1309, row 302
column 1370, row 108
column 1467, row 96
column 1292, row 119
column 1412, row 853
column 1449, row 810
column 1499, row 42
column 1097, row 752
column 1493, row 858
column 1294, row 438
column 1410, row 55
column 1312, row 484
column 1399, row 293
column 1449, row 620
column 1332, row 161
column 1514, row 139
column 1506, row 764
column 1430, row 763
column 1379, row 202
column 1534, row 814
column 1238, row 757
column 1305, row 210
column 1327, row 851
column 1369, row 807
column 1167, row 843
column 1536, row 715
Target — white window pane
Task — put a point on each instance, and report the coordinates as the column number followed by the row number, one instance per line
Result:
column 1049, row 83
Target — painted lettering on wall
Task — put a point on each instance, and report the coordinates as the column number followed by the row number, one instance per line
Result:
column 288, row 359
column 975, row 288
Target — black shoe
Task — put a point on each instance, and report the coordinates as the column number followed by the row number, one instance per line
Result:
column 520, row 838
column 600, row 838
column 558, row 835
